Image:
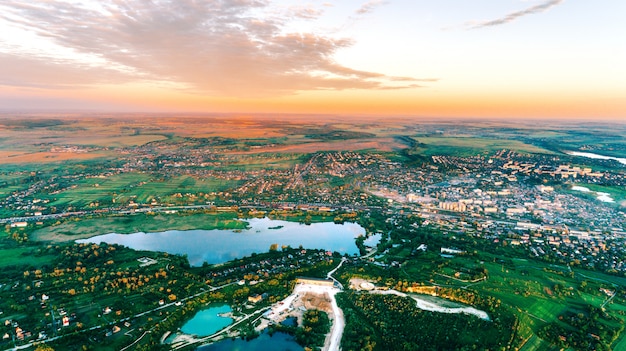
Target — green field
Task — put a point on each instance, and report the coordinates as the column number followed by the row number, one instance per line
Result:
column 19, row 255
column 538, row 293
column 137, row 187
column 79, row 229
column 256, row 162
column 617, row 193
column 471, row 146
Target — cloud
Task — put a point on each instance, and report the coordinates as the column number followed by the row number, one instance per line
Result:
column 220, row 47
column 370, row 6
column 29, row 72
column 515, row 15
column 305, row 12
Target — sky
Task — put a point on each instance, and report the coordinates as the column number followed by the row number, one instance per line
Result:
column 445, row 58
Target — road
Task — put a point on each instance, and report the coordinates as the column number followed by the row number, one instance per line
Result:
column 330, row 274
column 333, row 341
column 339, row 323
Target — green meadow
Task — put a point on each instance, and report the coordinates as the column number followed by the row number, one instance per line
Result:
column 137, row 187
column 539, row 294
column 471, row 146
column 140, row 222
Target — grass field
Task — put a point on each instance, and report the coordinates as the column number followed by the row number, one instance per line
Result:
column 255, row 162
column 617, row 193
column 86, row 228
column 472, row 146
column 20, row 255
column 138, row 187
column 539, row 293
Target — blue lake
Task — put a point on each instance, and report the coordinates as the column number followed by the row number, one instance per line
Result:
column 219, row 246
column 278, row 341
column 208, row 321
column 290, row 322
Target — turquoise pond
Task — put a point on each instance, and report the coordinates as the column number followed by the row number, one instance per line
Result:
column 208, row 321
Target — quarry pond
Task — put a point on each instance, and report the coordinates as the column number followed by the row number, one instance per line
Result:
column 208, row 321
column 219, row 246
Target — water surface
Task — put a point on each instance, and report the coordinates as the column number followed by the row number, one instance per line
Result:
column 208, row 321
column 277, row 342
column 219, row 246
column 604, row 197
column 596, row 156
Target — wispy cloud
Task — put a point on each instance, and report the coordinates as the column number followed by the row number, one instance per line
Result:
column 515, row 15
column 305, row 12
column 370, row 6
column 220, row 47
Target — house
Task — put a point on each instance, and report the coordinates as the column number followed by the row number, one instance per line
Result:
column 445, row 250
column 255, row 298
column 315, row 281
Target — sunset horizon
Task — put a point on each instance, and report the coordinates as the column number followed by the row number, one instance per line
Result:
column 509, row 59
column 358, row 175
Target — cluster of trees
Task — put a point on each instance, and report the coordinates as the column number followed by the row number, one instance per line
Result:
column 312, row 333
column 107, row 274
column 315, row 326
column 591, row 329
column 388, row 322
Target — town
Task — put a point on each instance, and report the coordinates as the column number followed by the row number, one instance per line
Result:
column 434, row 221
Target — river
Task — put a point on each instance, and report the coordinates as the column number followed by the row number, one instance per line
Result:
column 596, row 156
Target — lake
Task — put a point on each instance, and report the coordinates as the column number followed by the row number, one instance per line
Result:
column 278, row 341
column 208, row 321
column 596, row 156
column 219, row 246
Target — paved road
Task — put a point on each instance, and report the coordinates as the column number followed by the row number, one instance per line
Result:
column 339, row 323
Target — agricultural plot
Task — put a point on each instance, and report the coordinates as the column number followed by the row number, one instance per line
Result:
column 255, row 162
column 115, row 141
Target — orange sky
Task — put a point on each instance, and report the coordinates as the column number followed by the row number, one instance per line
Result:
column 500, row 58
